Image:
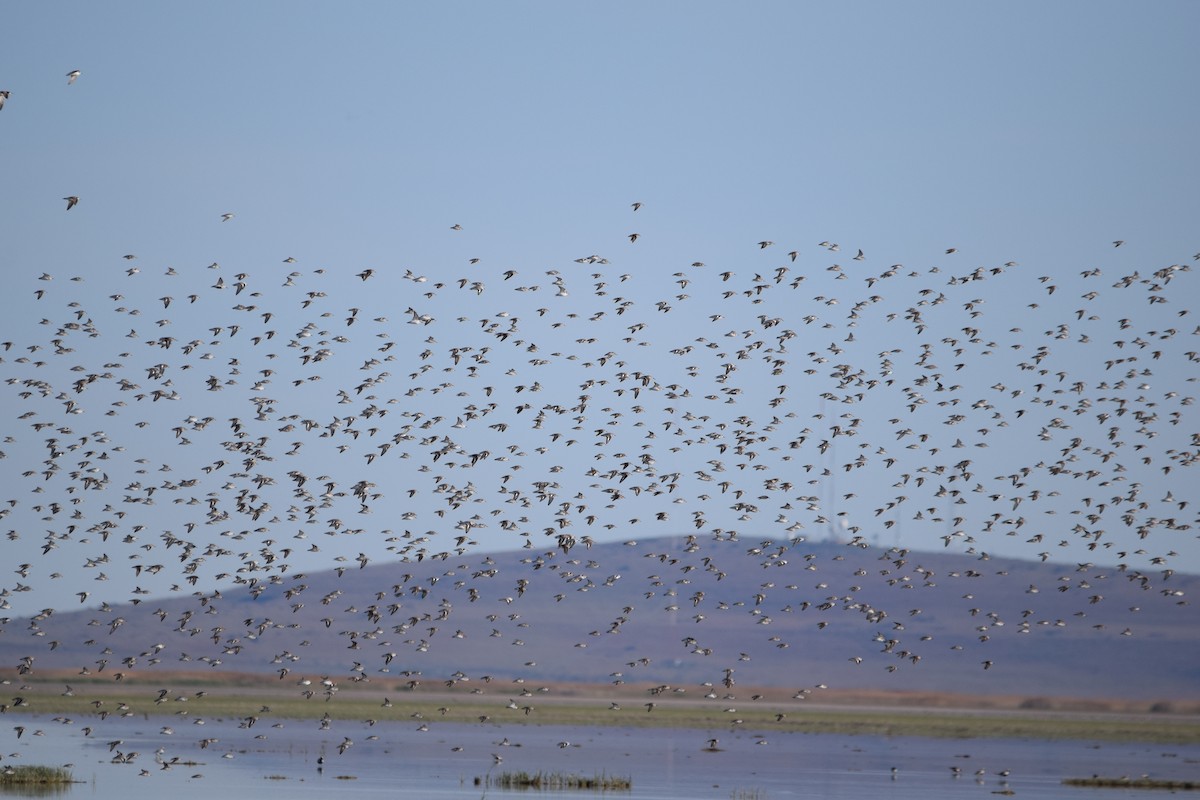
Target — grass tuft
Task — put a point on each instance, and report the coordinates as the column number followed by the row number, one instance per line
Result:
column 555, row 781
column 1125, row 782
column 33, row 774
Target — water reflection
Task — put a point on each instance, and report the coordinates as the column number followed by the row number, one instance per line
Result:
column 35, row 789
column 398, row 760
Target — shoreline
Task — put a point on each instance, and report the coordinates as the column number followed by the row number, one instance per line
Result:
column 173, row 695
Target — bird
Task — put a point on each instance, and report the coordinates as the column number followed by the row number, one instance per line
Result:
column 72, row 75
column 226, row 217
column 72, row 201
column 562, row 410
column 4, row 94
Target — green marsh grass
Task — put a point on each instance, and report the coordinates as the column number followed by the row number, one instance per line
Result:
column 25, row 775
column 555, row 781
column 1143, row 782
column 239, row 703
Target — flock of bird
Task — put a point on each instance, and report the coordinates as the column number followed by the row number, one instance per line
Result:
column 208, row 433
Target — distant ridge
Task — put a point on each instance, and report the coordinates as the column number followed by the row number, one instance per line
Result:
column 674, row 610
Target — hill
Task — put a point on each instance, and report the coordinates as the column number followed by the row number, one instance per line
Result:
column 677, row 611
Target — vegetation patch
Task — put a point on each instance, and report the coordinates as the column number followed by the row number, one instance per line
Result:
column 464, row 708
column 33, row 774
column 555, row 781
column 1124, row 782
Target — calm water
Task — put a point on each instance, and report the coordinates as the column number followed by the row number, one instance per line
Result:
column 443, row 761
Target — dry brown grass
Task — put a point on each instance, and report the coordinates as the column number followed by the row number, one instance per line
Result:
column 233, row 695
column 263, row 686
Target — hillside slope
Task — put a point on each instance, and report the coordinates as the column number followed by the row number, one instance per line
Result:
column 678, row 611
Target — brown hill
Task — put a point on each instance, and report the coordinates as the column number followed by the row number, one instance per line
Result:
column 679, row 611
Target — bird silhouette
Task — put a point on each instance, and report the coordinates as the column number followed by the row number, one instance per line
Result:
column 285, row 475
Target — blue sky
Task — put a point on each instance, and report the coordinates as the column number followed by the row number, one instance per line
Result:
column 354, row 137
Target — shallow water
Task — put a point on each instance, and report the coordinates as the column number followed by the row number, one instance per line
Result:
column 398, row 760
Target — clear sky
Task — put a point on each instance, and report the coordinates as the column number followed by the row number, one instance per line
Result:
column 354, row 136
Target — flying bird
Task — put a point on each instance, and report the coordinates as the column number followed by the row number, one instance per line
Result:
column 488, row 393
column 72, row 75
column 72, row 201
